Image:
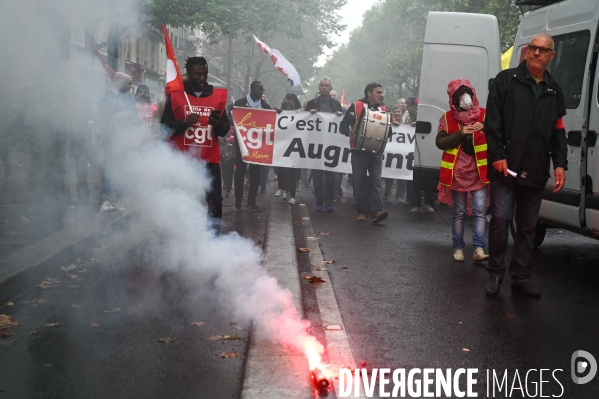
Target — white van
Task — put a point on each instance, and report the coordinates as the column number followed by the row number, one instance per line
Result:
column 573, row 25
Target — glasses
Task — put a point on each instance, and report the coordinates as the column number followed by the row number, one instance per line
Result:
column 543, row 50
column 323, row 85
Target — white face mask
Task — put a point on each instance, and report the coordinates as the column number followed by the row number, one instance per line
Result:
column 466, row 102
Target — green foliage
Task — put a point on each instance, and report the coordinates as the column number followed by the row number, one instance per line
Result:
column 245, row 17
column 387, row 48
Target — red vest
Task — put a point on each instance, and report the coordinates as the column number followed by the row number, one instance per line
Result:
column 450, row 156
column 198, row 140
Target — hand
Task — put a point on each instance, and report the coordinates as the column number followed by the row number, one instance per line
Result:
column 214, row 121
column 192, row 119
column 478, row 126
column 469, row 129
column 501, row 166
column 339, row 113
column 413, row 124
column 352, row 134
column 560, row 179
column 395, row 123
column 313, row 111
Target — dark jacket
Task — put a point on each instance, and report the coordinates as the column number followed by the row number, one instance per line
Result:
column 523, row 130
column 243, row 102
column 178, row 126
column 315, row 104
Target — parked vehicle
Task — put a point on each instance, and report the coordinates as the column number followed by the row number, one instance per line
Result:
column 470, row 49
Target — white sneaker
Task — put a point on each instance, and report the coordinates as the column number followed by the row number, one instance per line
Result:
column 292, row 201
column 458, row 255
column 285, row 196
column 279, row 192
column 414, row 209
column 106, row 207
column 119, row 206
column 426, row 208
column 488, row 218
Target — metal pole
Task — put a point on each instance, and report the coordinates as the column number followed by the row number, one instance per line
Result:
column 229, row 64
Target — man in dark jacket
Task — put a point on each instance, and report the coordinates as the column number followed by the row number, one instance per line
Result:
column 524, row 129
column 366, row 167
column 324, row 181
column 252, row 100
column 194, row 118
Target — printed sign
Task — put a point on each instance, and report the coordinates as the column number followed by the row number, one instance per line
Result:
column 301, row 139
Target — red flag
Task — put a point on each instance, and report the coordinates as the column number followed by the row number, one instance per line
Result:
column 173, row 75
column 343, row 97
column 107, row 68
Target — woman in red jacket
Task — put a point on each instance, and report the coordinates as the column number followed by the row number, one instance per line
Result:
column 464, row 165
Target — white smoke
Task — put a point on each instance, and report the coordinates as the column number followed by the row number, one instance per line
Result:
column 169, row 190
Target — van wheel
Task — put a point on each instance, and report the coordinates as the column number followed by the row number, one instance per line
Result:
column 540, row 229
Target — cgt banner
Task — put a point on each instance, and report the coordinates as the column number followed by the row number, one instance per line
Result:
column 300, row 139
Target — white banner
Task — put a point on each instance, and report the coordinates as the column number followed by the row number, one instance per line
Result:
column 300, row 139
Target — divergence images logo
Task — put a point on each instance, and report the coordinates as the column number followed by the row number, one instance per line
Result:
column 583, row 362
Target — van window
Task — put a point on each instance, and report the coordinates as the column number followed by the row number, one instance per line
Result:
column 569, row 64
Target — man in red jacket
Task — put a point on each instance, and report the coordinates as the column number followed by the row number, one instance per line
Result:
column 194, row 131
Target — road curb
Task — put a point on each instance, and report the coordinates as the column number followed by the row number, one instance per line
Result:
column 273, row 371
column 25, row 267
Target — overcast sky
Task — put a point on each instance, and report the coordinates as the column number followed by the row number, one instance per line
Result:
column 351, row 15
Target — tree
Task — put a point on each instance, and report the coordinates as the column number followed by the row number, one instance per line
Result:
column 233, row 19
column 387, row 48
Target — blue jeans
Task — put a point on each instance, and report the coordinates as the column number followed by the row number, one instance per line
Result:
column 479, row 201
column 324, row 186
column 528, row 201
column 367, row 167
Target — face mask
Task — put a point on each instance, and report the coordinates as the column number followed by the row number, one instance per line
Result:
column 466, row 102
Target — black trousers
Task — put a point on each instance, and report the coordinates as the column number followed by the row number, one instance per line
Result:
column 228, row 168
column 240, row 168
column 214, row 197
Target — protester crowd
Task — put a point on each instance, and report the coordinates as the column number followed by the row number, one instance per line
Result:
column 469, row 138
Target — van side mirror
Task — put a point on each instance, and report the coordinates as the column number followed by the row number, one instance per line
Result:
column 491, row 81
column 423, row 127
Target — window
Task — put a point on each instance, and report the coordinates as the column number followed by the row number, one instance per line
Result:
column 569, row 65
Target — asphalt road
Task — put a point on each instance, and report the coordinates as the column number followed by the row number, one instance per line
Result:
column 114, row 309
column 406, row 304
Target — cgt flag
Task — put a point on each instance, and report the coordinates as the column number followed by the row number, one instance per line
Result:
column 173, row 74
column 281, row 63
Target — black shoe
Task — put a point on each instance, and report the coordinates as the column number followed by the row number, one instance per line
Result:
column 493, row 286
column 379, row 217
column 525, row 289
column 254, row 208
column 237, row 204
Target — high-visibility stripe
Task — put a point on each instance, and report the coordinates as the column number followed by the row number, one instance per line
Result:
column 482, row 147
column 452, row 151
column 447, row 165
column 481, row 162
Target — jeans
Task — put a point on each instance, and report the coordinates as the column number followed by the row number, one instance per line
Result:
column 324, row 186
column 367, row 167
column 479, row 201
column 528, row 201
